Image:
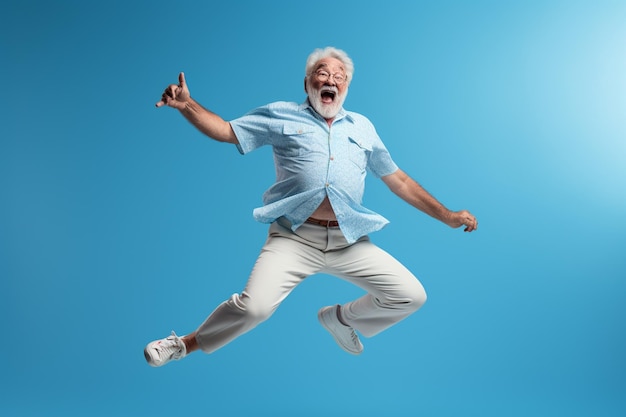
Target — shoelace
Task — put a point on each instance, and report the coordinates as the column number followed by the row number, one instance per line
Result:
column 355, row 338
column 170, row 348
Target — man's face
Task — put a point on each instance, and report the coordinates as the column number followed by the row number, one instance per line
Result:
column 326, row 93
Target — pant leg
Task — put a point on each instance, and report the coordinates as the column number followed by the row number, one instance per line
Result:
column 393, row 292
column 285, row 260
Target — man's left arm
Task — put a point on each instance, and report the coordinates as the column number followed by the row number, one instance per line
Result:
column 410, row 191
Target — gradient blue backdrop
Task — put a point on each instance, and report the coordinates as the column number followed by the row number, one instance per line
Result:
column 119, row 222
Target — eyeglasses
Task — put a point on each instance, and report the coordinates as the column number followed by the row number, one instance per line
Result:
column 323, row 76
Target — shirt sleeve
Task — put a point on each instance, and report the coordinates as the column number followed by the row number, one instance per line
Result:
column 252, row 129
column 380, row 162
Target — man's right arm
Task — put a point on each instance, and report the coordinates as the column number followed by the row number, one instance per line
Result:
column 207, row 122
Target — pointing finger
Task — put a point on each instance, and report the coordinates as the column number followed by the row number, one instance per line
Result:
column 181, row 79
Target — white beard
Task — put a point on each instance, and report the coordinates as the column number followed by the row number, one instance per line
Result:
column 327, row 111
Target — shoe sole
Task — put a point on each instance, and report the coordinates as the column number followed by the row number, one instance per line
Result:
column 322, row 320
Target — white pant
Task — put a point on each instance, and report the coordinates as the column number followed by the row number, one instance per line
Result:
column 288, row 257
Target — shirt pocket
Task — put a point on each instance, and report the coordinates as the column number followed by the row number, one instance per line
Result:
column 295, row 140
column 359, row 152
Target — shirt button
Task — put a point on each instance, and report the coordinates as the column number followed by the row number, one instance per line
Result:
column 327, row 184
column 332, row 158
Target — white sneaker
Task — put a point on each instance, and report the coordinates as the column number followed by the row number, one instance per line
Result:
column 160, row 352
column 345, row 336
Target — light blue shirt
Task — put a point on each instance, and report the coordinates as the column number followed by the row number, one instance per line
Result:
column 313, row 160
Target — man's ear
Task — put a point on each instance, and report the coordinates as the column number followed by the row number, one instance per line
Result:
column 305, row 86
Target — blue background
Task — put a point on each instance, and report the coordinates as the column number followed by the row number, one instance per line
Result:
column 119, row 222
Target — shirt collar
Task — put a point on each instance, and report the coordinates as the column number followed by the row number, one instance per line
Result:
column 342, row 113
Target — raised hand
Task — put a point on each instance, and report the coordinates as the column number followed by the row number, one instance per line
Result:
column 175, row 96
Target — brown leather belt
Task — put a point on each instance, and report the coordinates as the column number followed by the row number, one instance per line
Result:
column 325, row 223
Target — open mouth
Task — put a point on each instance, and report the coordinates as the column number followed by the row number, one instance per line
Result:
column 328, row 95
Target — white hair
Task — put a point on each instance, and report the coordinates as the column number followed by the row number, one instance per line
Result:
column 329, row 52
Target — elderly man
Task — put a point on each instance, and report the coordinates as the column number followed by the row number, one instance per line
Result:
column 317, row 222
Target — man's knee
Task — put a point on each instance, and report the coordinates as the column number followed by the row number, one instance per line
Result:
column 415, row 298
column 418, row 298
column 254, row 310
column 412, row 298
